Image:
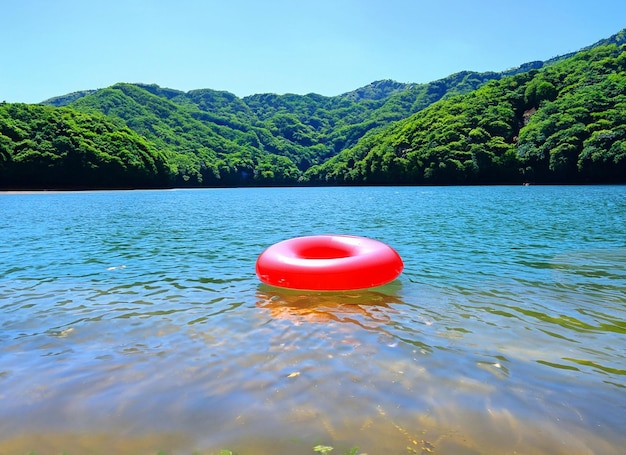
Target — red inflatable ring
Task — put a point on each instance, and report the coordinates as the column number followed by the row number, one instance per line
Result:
column 328, row 263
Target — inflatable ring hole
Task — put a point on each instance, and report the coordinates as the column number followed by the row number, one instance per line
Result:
column 324, row 252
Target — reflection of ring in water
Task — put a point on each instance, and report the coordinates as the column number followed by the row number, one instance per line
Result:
column 361, row 307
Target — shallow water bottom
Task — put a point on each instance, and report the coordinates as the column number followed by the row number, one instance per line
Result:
column 309, row 369
column 447, row 431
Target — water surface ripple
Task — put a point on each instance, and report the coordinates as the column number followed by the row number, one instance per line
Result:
column 132, row 322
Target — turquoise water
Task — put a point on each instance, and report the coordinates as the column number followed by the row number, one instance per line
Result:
column 132, row 322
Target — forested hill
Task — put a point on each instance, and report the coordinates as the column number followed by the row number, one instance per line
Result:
column 565, row 123
column 560, row 121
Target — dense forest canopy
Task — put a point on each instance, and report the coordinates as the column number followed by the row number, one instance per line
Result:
column 560, row 121
column 46, row 147
column 563, row 124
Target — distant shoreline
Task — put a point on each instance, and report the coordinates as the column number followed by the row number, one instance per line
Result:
column 87, row 190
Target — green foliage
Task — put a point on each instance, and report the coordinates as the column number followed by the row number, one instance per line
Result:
column 43, row 147
column 539, row 90
column 213, row 138
column 325, row 450
column 578, row 136
column 560, row 121
column 562, row 124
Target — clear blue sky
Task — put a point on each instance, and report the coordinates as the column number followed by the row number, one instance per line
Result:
column 53, row 47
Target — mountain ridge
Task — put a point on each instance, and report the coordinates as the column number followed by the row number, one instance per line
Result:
column 617, row 38
column 206, row 137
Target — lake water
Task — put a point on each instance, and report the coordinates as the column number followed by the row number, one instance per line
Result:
column 132, row 322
